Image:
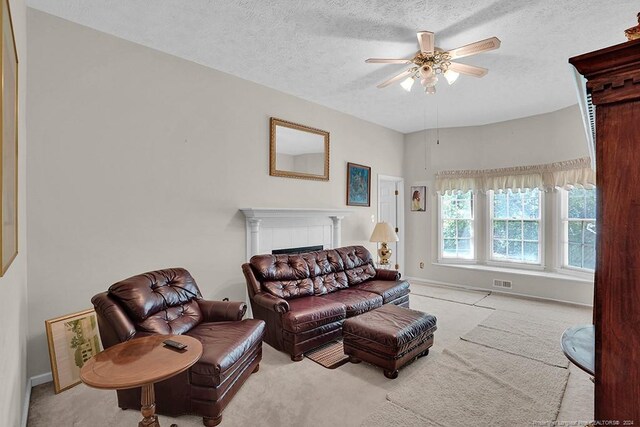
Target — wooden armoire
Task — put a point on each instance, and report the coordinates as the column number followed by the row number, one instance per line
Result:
column 613, row 81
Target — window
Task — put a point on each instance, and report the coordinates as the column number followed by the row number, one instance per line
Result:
column 515, row 226
column 456, row 225
column 579, row 217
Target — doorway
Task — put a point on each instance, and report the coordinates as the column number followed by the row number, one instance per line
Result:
column 391, row 210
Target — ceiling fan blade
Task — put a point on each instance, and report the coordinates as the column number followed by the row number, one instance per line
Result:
column 470, row 70
column 387, row 61
column 475, row 48
column 426, row 41
column 405, row 73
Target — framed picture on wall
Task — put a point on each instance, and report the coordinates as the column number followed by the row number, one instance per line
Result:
column 358, row 185
column 9, row 146
column 418, row 198
column 73, row 339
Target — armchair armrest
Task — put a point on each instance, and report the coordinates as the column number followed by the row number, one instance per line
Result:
column 271, row 302
column 218, row 311
column 387, row 275
column 114, row 324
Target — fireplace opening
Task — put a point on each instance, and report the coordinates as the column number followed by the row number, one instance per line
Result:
column 300, row 250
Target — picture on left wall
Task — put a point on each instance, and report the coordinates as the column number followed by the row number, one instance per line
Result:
column 73, row 339
column 9, row 146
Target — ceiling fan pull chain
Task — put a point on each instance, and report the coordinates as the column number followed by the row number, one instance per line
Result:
column 437, row 122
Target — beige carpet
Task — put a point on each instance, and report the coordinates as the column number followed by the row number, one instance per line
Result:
column 540, row 308
column 523, row 335
column 472, row 385
column 507, row 371
column 461, row 296
column 284, row 393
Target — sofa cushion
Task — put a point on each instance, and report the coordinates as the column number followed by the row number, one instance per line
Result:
column 354, row 256
column 311, row 312
column 357, row 264
column 360, row 274
column 387, row 289
column 280, row 267
column 223, row 344
column 355, row 301
column 288, row 289
column 285, row 276
column 323, row 262
column 330, row 282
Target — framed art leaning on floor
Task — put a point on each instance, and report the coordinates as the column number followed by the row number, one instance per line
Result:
column 73, row 339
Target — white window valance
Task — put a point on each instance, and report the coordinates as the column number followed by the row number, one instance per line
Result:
column 568, row 174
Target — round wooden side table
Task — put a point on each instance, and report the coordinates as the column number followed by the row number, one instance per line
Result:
column 141, row 362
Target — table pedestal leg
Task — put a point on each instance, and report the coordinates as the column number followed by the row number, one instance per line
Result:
column 148, row 407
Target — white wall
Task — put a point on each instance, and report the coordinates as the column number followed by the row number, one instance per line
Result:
column 533, row 140
column 13, row 316
column 140, row 160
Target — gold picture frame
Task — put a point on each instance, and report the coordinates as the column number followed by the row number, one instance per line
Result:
column 320, row 169
column 73, row 339
column 9, row 146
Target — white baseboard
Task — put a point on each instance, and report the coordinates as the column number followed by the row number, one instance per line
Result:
column 41, row 379
column 25, row 404
column 32, row 382
column 496, row 291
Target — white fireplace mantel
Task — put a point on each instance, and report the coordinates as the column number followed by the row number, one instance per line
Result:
column 277, row 228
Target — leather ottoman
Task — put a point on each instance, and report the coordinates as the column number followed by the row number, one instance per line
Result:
column 388, row 337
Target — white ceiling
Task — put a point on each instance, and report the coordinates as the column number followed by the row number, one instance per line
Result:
column 316, row 49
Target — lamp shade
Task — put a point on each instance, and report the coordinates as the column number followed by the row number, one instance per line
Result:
column 383, row 232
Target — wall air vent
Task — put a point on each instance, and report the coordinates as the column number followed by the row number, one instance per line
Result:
column 502, row 284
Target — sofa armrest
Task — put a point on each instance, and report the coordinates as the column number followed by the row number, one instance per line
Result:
column 387, row 275
column 271, row 302
column 218, row 311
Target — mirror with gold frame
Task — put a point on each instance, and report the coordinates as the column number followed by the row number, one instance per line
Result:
column 298, row 151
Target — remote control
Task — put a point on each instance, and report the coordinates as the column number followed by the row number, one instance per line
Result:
column 174, row 344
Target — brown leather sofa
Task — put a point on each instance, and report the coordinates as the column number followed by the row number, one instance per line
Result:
column 169, row 302
column 305, row 298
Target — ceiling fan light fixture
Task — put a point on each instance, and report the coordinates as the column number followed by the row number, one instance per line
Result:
column 407, row 84
column 451, row 76
column 429, row 81
column 430, row 61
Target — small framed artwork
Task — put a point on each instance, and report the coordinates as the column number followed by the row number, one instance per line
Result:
column 73, row 339
column 358, row 185
column 418, row 198
column 9, row 145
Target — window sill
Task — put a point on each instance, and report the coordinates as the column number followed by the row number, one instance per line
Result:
column 519, row 271
column 583, row 274
column 515, row 265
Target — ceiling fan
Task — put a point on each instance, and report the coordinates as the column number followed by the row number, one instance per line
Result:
column 430, row 61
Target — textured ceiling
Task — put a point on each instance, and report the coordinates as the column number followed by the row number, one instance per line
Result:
column 316, row 49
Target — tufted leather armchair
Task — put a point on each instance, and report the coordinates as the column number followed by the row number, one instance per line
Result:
column 169, row 302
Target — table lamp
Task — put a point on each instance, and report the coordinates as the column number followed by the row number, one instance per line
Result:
column 384, row 233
